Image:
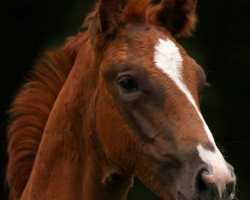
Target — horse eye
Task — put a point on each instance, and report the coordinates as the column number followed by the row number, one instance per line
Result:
column 128, row 84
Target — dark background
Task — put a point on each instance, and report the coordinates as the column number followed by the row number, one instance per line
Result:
column 221, row 44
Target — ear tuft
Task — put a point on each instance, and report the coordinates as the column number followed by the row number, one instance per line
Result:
column 177, row 16
column 110, row 15
column 107, row 17
column 137, row 10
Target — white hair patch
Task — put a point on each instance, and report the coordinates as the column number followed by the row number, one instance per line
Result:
column 220, row 170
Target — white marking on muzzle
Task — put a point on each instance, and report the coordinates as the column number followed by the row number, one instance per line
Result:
column 219, row 168
column 167, row 57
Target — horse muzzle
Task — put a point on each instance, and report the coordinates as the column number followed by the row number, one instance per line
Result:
column 210, row 187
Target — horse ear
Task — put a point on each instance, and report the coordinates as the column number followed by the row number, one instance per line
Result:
column 177, row 16
column 107, row 18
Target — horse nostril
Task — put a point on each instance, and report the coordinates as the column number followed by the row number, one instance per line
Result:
column 230, row 189
column 201, row 186
column 206, row 187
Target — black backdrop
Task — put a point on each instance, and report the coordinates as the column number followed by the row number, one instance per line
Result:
column 221, row 44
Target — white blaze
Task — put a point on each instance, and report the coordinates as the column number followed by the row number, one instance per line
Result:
column 167, row 57
column 169, row 60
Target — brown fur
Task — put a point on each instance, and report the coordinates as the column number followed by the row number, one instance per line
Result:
column 73, row 135
column 30, row 111
column 31, row 108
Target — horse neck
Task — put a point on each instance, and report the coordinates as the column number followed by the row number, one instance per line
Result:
column 70, row 163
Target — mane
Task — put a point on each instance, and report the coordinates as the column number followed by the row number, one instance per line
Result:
column 30, row 111
column 31, row 107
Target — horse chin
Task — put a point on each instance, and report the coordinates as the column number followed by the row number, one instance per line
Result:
column 181, row 196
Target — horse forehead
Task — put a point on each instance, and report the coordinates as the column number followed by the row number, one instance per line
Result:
column 167, row 57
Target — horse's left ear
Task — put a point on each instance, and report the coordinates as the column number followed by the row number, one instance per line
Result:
column 177, row 16
column 107, row 18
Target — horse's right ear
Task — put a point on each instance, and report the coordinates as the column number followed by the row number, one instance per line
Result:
column 107, row 18
column 177, row 16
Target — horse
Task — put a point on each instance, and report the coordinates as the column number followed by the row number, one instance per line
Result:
column 118, row 100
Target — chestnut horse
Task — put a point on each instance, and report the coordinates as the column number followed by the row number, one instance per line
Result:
column 118, row 100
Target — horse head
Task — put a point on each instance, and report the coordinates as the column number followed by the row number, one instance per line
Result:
column 148, row 119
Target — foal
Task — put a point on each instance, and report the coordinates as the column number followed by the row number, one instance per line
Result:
column 117, row 101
